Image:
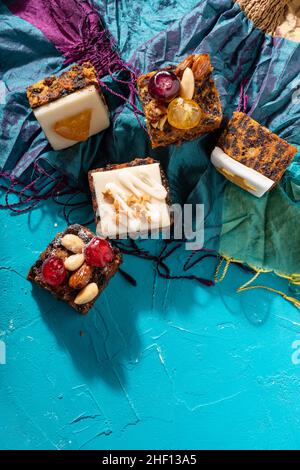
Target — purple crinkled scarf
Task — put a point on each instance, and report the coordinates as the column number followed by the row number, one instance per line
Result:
column 77, row 31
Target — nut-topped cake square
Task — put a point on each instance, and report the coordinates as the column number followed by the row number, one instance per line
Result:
column 251, row 156
column 70, row 108
column 180, row 102
column 76, row 267
column 130, row 199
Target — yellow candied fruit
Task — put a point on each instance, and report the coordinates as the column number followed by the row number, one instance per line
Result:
column 184, row 114
column 75, row 127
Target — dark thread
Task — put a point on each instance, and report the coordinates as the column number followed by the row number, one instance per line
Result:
column 161, row 267
column 128, row 277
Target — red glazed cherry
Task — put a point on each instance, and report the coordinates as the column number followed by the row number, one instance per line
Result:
column 98, row 252
column 54, row 271
column 164, row 85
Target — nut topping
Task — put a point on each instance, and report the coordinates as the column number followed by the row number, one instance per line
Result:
column 81, row 278
column 74, row 262
column 73, row 243
column 187, row 62
column 87, row 294
column 187, row 85
column 201, row 66
column 154, row 124
column 108, row 196
column 199, row 63
column 162, row 122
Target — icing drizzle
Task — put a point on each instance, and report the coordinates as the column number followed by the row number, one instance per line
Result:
column 130, row 201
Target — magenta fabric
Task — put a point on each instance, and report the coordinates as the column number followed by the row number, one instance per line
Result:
column 77, row 31
column 74, row 27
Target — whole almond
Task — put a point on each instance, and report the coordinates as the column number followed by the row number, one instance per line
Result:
column 87, row 294
column 201, row 66
column 74, row 262
column 187, row 62
column 81, row 277
column 187, row 85
column 73, row 243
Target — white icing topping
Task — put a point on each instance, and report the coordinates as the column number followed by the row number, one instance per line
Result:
column 141, row 186
column 67, row 106
column 131, row 200
column 245, row 177
column 142, row 183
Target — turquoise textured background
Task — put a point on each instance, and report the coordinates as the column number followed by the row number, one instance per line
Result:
column 161, row 365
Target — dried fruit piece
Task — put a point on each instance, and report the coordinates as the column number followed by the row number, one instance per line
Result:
column 74, row 262
column 73, row 243
column 98, row 252
column 75, row 127
column 164, row 85
column 187, row 84
column 81, row 277
column 87, row 294
column 53, row 271
column 184, row 114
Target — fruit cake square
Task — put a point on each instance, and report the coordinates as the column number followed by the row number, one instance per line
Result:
column 70, row 108
column 130, row 199
column 76, row 267
column 180, row 102
column 251, row 156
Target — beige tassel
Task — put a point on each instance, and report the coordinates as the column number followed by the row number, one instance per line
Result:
column 265, row 14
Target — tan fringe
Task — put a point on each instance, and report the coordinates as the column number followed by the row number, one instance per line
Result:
column 267, row 15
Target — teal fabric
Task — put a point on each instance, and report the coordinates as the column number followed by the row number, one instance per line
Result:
column 262, row 233
column 156, row 34
column 259, row 232
column 168, row 364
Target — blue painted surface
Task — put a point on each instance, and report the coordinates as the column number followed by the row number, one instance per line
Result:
column 162, row 365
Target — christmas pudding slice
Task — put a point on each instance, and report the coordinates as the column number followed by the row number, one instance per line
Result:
column 70, row 108
column 76, row 267
column 251, row 156
column 180, row 102
column 130, row 199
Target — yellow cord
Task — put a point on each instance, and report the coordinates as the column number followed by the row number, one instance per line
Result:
column 225, row 269
column 293, row 278
column 245, row 286
column 286, row 297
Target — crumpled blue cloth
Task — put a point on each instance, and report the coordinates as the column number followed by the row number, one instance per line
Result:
column 154, row 34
